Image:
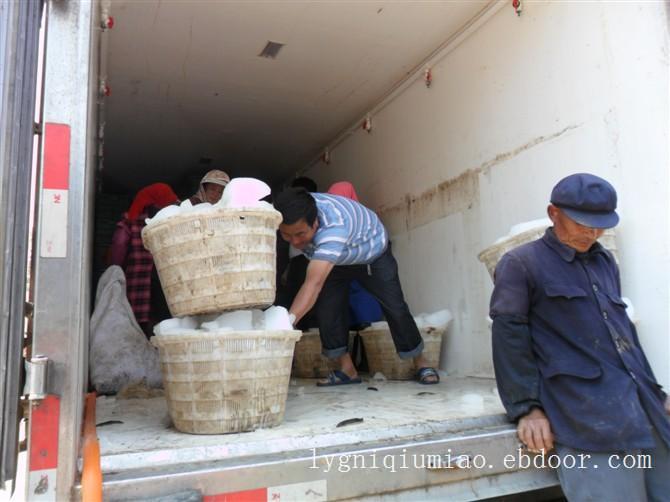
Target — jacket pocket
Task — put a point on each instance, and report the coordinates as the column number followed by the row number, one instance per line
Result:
column 572, row 367
column 564, row 290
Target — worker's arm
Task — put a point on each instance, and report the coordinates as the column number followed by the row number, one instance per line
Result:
column 518, row 381
column 516, row 371
column 515, row 368
column 317, row 272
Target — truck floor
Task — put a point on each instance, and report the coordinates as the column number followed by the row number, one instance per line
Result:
column 139, row 433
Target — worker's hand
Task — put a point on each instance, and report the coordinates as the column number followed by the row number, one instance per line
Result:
column 535, row 432
column 667, row 404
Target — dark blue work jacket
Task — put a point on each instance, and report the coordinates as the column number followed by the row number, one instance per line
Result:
column 562, row 341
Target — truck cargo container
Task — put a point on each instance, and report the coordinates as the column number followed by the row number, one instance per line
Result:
column 453, row 120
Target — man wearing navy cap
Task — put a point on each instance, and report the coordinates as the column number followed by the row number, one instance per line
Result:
column 568, row 362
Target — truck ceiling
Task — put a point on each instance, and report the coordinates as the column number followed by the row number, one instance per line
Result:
column 190, row 90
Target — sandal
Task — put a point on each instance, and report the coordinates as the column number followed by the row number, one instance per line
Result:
column 423, row 376
column 337, row 377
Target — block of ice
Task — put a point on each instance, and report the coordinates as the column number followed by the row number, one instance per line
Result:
column 258, row 319
column 379, row 325
column 243, row 192
column 520, row 228
column 438, row 319
column 276, row 318
column 261, row 204
column 209, row 326
column 420, row 321
column 188, row 322
column 379, row 377
column 239, row 193
column 204, row 207
column 238, row 320
column 164, row 213
column 175, row 326
column 165, row 326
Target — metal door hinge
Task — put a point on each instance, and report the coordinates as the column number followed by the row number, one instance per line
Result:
column 37, row 128
column 36, row 378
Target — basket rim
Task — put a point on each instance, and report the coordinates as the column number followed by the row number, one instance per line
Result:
column 514, row 240
column 379, row 331
column 198, row 335
column 179, row 218
column 315, row 331
column 493, row 249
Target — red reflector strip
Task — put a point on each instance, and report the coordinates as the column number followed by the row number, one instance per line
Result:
column 44, row 421
column 308, row 491
column 259, row 495
column 56, row 156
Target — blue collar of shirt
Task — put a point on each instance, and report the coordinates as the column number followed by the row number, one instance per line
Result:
column 563, row 250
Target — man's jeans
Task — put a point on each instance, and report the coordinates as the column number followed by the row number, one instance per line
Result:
column 380, row 279
column 630, row 476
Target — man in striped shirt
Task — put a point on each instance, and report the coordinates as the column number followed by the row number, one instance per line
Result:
column 346, row 241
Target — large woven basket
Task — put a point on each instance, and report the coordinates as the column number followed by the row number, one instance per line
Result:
column 383, row 358
column 491, row 255
column 308, row 362
column 216, row 261
column 223, row 382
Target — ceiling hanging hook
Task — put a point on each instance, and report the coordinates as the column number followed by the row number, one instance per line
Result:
column 325, row 158
column 104, row 89
column 428, row 76
column 367, row 124
column 106, row 21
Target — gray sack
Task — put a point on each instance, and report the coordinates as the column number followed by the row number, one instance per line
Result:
column 119, row 353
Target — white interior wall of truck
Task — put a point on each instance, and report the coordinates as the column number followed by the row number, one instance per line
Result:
column 514, row 107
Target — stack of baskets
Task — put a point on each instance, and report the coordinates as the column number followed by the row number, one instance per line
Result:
column 228, row 381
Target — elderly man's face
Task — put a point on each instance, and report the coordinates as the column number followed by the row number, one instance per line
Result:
column 299, row 234
column 571, row 233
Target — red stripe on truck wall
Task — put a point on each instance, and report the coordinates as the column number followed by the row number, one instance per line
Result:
column 44, row 434
column 259, row 495
column 56, row 156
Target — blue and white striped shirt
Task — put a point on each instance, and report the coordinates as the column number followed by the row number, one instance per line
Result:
column 348, row 234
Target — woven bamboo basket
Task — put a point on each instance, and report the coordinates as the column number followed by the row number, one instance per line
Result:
column 383, row 358
column 491, row 255
column 308, row 362
column 216, row 261
column 221, row 382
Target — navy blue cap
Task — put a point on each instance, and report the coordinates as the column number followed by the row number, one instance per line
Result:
column 586, row 199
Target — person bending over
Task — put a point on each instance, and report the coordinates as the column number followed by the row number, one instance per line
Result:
column 346, row 241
